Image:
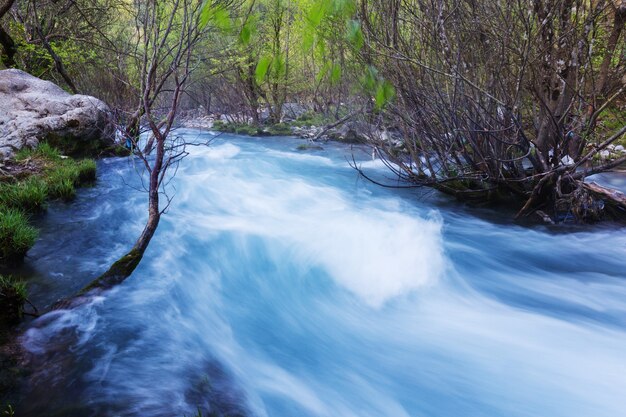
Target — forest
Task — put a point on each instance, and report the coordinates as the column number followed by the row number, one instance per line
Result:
column 488, row 99
column 488, row 143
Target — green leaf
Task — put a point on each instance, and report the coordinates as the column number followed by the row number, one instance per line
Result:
column 317, row 12
column 344, row 8
column 261, row 68
column 384, row 94
column 355, row 34
column 222, row 19
column 205, row 13
column 216, row 14
column 278, row 66
column 246, row 33
column 308, row 38
column 323, row 71
column 335, row 74
column 370, row 79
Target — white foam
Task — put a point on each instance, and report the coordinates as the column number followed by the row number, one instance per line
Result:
column 376, row 253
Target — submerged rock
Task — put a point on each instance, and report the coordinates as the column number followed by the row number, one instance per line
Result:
column 33, row 110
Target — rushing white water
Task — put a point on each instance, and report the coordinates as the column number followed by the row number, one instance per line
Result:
column 279, row 284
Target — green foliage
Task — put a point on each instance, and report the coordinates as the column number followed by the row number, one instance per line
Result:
column 215, row 14
column 10, row 284
column 335, row 74
column 16, row 235
column 9, row 412
column 61, row 187
column 44, row 150
column 355, row 34
column 28, row 195
column 385, row 92
column 86, row 171
column 262, row 68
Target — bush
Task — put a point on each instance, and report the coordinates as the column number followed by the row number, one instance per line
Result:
column 29, row 195
column 16, row 235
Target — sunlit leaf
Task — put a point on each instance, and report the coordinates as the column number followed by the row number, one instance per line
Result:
column 317, row 12
column 355, row 34
column 215, row 14
column 278, row 66
column 245, row 34
column 262, row 68
column 325, row 68
column 384, row 94
column 335, row 74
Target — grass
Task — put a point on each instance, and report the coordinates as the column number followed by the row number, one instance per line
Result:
column 28, row 195
column 58, row 179
column 13, row 296
column 8, row 284
column 16, row 235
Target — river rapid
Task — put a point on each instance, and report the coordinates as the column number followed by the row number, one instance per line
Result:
column 281, row 284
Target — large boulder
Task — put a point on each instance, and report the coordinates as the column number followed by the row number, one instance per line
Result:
column 34, row 110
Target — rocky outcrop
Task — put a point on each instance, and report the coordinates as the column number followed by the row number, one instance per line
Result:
column 34, row 110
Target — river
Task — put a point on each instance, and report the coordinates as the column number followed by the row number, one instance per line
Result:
column 281, row 284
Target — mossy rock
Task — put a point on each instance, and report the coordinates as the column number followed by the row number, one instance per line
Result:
column 75, row 147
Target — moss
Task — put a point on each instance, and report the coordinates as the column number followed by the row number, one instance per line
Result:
column 16, row 236
column 311, row 119
column 308, row 147
column 280, row 129
column 74, row 147
column 117, row 273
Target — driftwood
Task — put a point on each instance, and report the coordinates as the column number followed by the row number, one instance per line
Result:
column 611, row 197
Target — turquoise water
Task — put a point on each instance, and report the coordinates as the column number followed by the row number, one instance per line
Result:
column 280, row 284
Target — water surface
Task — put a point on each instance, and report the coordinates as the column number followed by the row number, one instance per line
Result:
column 280, row 284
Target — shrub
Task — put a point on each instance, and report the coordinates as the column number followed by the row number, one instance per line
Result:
column 29, row 195
column 16, row 235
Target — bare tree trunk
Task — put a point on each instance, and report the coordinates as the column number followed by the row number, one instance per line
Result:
column 10, row 48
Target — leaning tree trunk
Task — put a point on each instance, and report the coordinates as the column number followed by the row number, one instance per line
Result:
column 125, row 266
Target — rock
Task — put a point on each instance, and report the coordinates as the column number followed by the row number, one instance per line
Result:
column 620, row 148
column 292, row 111
column 567, row 160
column 604, row 154
column 35, row 110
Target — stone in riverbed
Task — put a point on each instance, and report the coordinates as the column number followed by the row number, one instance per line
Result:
column 33, row 110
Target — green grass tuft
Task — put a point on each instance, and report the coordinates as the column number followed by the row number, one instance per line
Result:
column 10, row 284
column 86, row 171
column 28, row 195
column 16, row 235
column 44, row 151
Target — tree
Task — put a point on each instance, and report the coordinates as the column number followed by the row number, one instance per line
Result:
column 501, row 98
column 169, row 31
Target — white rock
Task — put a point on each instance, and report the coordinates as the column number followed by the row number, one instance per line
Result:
column 32, row 110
